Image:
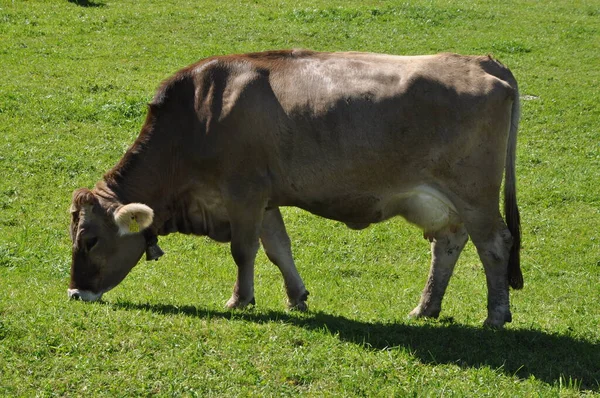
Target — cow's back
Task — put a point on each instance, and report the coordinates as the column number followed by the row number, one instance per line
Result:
column 355, row 122
column 348, row 131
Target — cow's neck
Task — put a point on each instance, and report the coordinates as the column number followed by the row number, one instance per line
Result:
column 154, row 171
column 142, row 176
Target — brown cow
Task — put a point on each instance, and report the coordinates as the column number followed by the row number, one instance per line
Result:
column 354, row 137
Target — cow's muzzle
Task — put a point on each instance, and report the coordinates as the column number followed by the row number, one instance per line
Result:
column 85, row 295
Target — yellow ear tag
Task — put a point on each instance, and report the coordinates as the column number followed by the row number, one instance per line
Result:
column 133, row 225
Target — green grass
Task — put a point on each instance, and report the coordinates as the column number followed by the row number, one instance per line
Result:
column 75, row 78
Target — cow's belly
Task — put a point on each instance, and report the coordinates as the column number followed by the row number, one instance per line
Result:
column 423, row 206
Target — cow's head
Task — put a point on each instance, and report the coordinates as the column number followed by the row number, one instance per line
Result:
column 107, row 243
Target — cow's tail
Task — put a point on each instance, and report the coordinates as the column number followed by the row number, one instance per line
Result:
column 511, row 211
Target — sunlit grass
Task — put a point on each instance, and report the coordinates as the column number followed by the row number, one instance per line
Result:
column 75, row 77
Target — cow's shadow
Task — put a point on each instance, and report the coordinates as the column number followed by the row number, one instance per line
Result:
column 552, row 358
column 87, row 3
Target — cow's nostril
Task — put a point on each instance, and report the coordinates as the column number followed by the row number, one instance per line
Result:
column 85, row 295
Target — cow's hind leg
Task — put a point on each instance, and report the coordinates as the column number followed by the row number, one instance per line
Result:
column 277, row 245
column 493, row 242
column 446, row 246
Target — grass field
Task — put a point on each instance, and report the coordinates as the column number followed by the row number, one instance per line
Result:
column 75, row 78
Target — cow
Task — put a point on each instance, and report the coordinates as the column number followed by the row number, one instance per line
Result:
column 353, row 137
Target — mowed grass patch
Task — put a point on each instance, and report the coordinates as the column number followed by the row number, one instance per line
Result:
column 75, row 78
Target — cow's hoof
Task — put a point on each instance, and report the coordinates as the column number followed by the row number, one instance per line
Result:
column 493, row 324
column 497, row 321
column 420, row 312
column 299, row 306
column 236, row 302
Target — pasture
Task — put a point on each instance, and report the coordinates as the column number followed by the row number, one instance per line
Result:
column 75, row 78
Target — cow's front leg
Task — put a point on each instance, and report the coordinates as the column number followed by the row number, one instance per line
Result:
column 277, row 245
column 446, row 246
column 243, row 290
column 245, row 229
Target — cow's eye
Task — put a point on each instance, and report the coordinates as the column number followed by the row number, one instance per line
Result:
column 90, row 243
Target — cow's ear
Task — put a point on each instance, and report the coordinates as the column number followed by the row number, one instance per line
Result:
column 133, row 217
column 82, row 197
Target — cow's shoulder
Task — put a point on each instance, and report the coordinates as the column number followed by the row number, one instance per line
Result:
column 205, row 78
column 225, row 66
column 226, row 86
